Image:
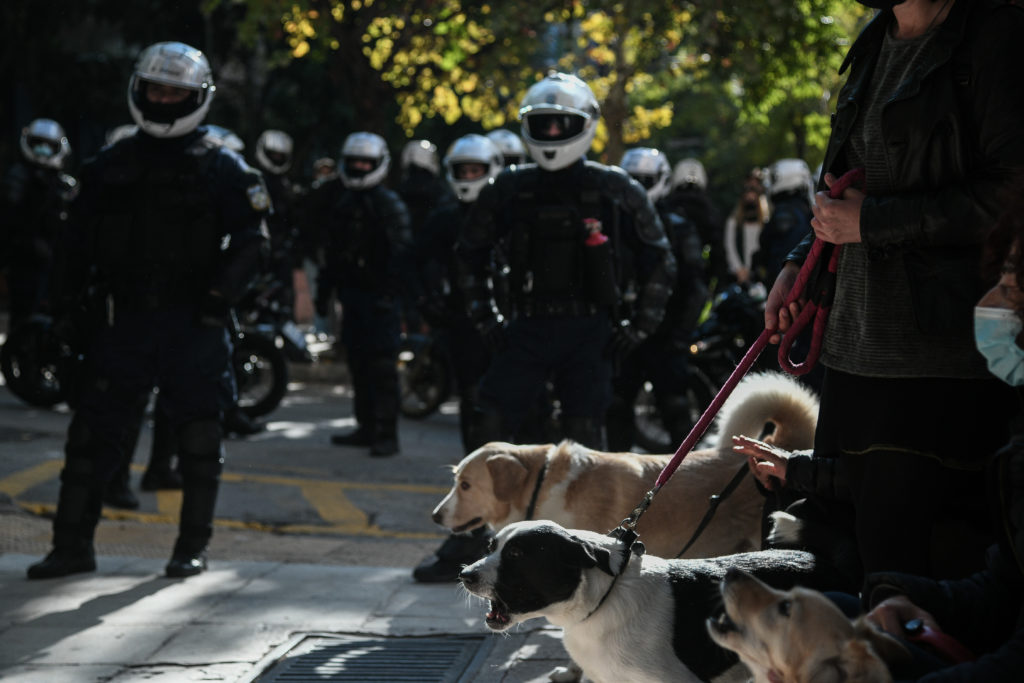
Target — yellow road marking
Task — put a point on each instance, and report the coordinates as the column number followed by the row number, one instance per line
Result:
column 327, row 498
column 19, row 482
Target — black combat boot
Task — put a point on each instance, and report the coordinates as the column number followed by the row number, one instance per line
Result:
column 78, row 511
column 360, row 436
column 187, row 559
column 457, row 551
column 201, row 465
column 385, row 439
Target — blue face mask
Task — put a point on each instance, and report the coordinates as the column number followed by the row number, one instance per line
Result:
column 995, row 333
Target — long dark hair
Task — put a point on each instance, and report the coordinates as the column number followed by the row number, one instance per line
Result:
column 1004, row 248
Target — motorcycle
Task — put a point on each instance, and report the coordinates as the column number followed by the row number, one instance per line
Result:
column 33, row 360
column 424, row 376
column 37, row 362
column 265, row 339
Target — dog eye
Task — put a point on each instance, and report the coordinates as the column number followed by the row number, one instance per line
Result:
column 513, row 553
column 784, row 607
column 464, row 485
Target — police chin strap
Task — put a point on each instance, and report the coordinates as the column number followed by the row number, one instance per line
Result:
column 823, row 289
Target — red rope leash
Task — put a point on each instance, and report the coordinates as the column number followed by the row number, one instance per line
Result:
column 817, row 306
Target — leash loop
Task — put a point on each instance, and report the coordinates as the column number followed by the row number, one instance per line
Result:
column 818, row 285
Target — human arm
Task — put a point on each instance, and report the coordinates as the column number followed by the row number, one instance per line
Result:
column 801, row 471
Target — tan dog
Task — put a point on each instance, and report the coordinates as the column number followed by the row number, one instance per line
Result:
column 799, row 636
column 580, row 488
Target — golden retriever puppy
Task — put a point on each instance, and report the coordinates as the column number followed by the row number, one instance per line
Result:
column 799, row 636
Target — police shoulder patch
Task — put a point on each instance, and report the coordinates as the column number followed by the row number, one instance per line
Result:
column 259, row 200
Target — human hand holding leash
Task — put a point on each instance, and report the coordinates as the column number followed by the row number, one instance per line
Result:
column 777, row 316
column 891, row 614
column 837, row 220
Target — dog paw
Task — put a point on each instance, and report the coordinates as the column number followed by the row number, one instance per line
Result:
column 566, row 674
column 785, row 529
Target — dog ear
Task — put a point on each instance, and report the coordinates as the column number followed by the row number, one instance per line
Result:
column 884, row 645
column 588, row 555
column 508, row 475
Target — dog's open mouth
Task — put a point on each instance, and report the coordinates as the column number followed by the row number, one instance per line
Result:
column 468, row 525
column 722, row 622
column 498, row 617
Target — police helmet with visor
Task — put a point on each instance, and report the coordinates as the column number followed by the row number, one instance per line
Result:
column 559, row 115
column 170, row 65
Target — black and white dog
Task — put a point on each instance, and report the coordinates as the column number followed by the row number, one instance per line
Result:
column 626, row 617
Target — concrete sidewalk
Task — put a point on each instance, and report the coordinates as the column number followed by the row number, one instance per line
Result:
column 240, row 619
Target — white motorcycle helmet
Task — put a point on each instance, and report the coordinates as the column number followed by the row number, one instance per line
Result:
column 790, row 175
column 650, row 168
column 421, row 153
column 177, row 65
column 513, row 151
column 689, row 172
column 274, row 151
column 472, row 149
column 44, row 143
column 364, row 147
column 559, row 116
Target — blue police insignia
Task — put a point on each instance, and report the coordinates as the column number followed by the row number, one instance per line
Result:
column 258, row 197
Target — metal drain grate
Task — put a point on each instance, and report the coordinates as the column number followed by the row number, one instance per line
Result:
column 324, row 658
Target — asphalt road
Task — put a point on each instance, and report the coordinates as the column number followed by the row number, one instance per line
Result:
column 287, row 493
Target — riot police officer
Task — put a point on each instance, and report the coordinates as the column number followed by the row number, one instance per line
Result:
column 689, row 198
column 578, row 234
column 168, row 231
column 368, row 263
column 790, row 193
column 662, row 357
column 472, row 162
column 36, row 193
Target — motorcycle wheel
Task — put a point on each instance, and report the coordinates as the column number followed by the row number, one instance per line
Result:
column 29, row 372
column 651, row 434
column 261, row 372
column 423, row 380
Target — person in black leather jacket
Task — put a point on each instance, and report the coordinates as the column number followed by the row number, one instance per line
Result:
column 931, row 112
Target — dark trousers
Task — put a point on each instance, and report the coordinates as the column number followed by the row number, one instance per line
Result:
column 570, row 351
column 370, row 332
column 125, row 361
column 913, row 453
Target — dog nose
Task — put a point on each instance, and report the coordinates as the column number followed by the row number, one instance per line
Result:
column 436, row 517
column 469, row 576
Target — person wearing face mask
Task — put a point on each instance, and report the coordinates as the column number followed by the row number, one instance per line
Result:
column 931, row 112
column 985, row 611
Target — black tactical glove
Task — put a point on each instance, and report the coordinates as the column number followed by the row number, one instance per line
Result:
column 626, row 337
column 492, row 332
